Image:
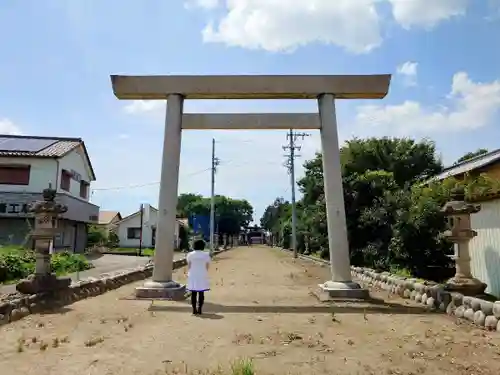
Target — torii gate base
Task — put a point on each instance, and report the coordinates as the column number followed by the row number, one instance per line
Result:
column 323, row 88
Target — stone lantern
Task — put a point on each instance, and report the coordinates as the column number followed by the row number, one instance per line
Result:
column 460, row 233
column 46, row 213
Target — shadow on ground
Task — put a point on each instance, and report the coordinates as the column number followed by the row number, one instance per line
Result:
column 342, row 307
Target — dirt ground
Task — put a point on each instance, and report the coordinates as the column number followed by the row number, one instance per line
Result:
column 260, row 308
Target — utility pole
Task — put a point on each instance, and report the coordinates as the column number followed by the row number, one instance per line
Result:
column 290, row 164
column 215, row 163
column 141, row 230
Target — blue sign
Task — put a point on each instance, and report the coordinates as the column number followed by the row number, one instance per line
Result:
column 200, row 225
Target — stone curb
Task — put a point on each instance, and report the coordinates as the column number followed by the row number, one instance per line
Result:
column 20, row 306
column 484, row 314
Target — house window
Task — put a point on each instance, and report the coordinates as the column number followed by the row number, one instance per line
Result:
column 65, row 180
column 84, row 189
column 133, row 233
column 14, row 174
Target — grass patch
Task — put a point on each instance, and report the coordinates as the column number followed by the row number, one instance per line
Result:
column 146, row 252
column 238, row 367
column 17, row 263
column 403, row 272
column 129, row 251
column 242, row 367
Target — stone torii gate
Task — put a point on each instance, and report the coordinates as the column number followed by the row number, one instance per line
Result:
column 325, row 89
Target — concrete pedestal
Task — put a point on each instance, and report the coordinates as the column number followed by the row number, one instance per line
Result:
column 34, row 284
column 332, row 290
column 169, row 290
column 468, row 286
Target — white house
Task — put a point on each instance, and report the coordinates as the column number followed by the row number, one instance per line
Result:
column 28, row 165
column 129, row 229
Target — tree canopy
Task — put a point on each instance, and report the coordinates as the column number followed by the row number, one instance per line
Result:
column 394, row 221
column 471, row 155
column 230, row 214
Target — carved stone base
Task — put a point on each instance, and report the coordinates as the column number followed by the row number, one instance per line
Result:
column 332, row 290
column 169, row 290
column 465, row 286
column 34, row 284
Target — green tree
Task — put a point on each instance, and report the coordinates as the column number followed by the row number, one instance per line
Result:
column 277, row 220
column 231, row 214
column 184, row 200
column 96, row 236
column 387, row 219
column 471, row 155
column 409, row 161
column 113, row 239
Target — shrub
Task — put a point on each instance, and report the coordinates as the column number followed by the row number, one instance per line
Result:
column 96, row 236
column 18, row 263
column 63, row 263
column 113, row 239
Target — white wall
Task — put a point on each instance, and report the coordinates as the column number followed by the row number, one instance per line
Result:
column 485, row 247
column 76, row 161
column 134, row 221
column 45, row 171
column 42, row 172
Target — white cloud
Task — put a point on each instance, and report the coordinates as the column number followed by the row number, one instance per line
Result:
column 471, row 105
column 8, row 127
column 426, row 13
column 144, row 106
column 494, row 11
column 204, row 4
column 284, row 25
column 408, row 71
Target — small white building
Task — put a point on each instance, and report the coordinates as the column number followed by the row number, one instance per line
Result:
column 28, row 165
column 129, row 229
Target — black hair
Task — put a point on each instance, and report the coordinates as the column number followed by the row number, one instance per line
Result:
column 199, row 245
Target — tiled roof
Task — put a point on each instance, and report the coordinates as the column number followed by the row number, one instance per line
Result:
column 59, row 148
column 469, row 165
column 49, row 146
column 105, row 217
column 40, row 147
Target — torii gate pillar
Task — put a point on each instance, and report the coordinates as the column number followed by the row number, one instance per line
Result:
column 323, row 88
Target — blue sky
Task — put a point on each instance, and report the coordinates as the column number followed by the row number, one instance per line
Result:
column 57, row 56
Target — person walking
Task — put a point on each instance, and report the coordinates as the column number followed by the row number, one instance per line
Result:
column 198, row 262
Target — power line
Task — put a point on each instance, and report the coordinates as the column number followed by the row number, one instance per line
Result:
column 237, row 141
column 244, row 163
column 290, row 165
column 144, row 185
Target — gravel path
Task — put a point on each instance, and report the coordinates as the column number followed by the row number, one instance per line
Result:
column 261, row 308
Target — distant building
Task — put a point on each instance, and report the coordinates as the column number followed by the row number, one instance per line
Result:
column 129, row 229
column 108, row 219
column 28, row 165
